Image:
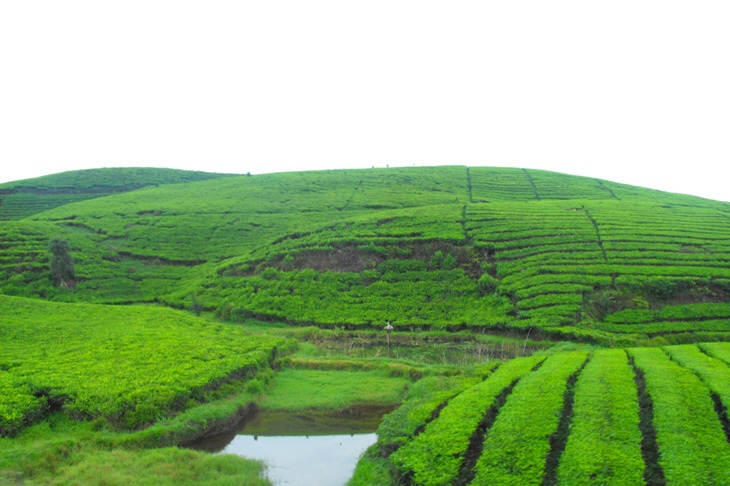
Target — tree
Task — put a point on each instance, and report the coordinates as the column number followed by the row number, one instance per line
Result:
column 442, row 261
column 62, row 266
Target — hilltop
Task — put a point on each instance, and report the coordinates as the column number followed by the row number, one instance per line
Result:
column 450, row 248
column 22, row 198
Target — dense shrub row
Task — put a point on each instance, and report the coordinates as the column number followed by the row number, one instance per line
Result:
column 422, row 403
column 713, row 372
column 550, row 250
column 20, row 199
column 720, row 351
column 435, row 456
column 518, row 443
column 668, row 327
column 604, row 445
column 636, row 416
column 131, row 365
column 692, row 445
column 672, row 312
column 428, row 298
column 18, row 404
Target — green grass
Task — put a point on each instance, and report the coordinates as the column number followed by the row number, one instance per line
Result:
column 167, row 466
column 424, row 400
column 60, row 446
column 372, row 470
column 301, row 389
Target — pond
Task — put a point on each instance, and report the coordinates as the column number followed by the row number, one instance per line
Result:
column 302, row 448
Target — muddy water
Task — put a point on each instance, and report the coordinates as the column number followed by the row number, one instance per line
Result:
column 302, row 448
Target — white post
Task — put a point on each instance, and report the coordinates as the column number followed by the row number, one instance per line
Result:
column 388, row 329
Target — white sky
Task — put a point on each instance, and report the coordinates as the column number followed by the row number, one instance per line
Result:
column 633, row 91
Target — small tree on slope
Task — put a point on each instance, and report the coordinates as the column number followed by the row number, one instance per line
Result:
column 62, row 267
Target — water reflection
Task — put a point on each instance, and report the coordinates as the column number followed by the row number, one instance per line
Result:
column 304, row 460
column 309, row 448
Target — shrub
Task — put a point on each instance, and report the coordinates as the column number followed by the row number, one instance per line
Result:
column 436, row 260
column 288, row 262
column 487, row 284
column 442, row 261
column 270, row 274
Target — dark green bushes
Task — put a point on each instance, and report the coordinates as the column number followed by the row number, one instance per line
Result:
column 442, row 261
column 487, row 284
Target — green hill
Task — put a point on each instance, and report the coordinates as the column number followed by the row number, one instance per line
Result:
column 19, row 199
column 444, row 247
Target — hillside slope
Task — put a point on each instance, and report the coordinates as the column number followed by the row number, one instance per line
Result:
column 441, row 247
column 19, row 199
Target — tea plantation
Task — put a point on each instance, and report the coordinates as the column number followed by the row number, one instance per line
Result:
column 608, row 416
column 23, row 198
column 548, row 328
column 426, row 248
column 130, row 365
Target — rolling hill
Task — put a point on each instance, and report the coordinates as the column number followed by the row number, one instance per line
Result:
column 29, row 196
column 446, row 247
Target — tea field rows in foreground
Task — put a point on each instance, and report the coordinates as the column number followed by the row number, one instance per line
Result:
column 610, row 416
column 130, row 365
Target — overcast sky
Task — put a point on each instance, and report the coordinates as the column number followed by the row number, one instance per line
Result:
column 632, row 91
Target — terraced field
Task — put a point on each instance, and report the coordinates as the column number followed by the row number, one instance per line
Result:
column 24, row 198
column 559, row 256
column 447, row 247
column 610, row 416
